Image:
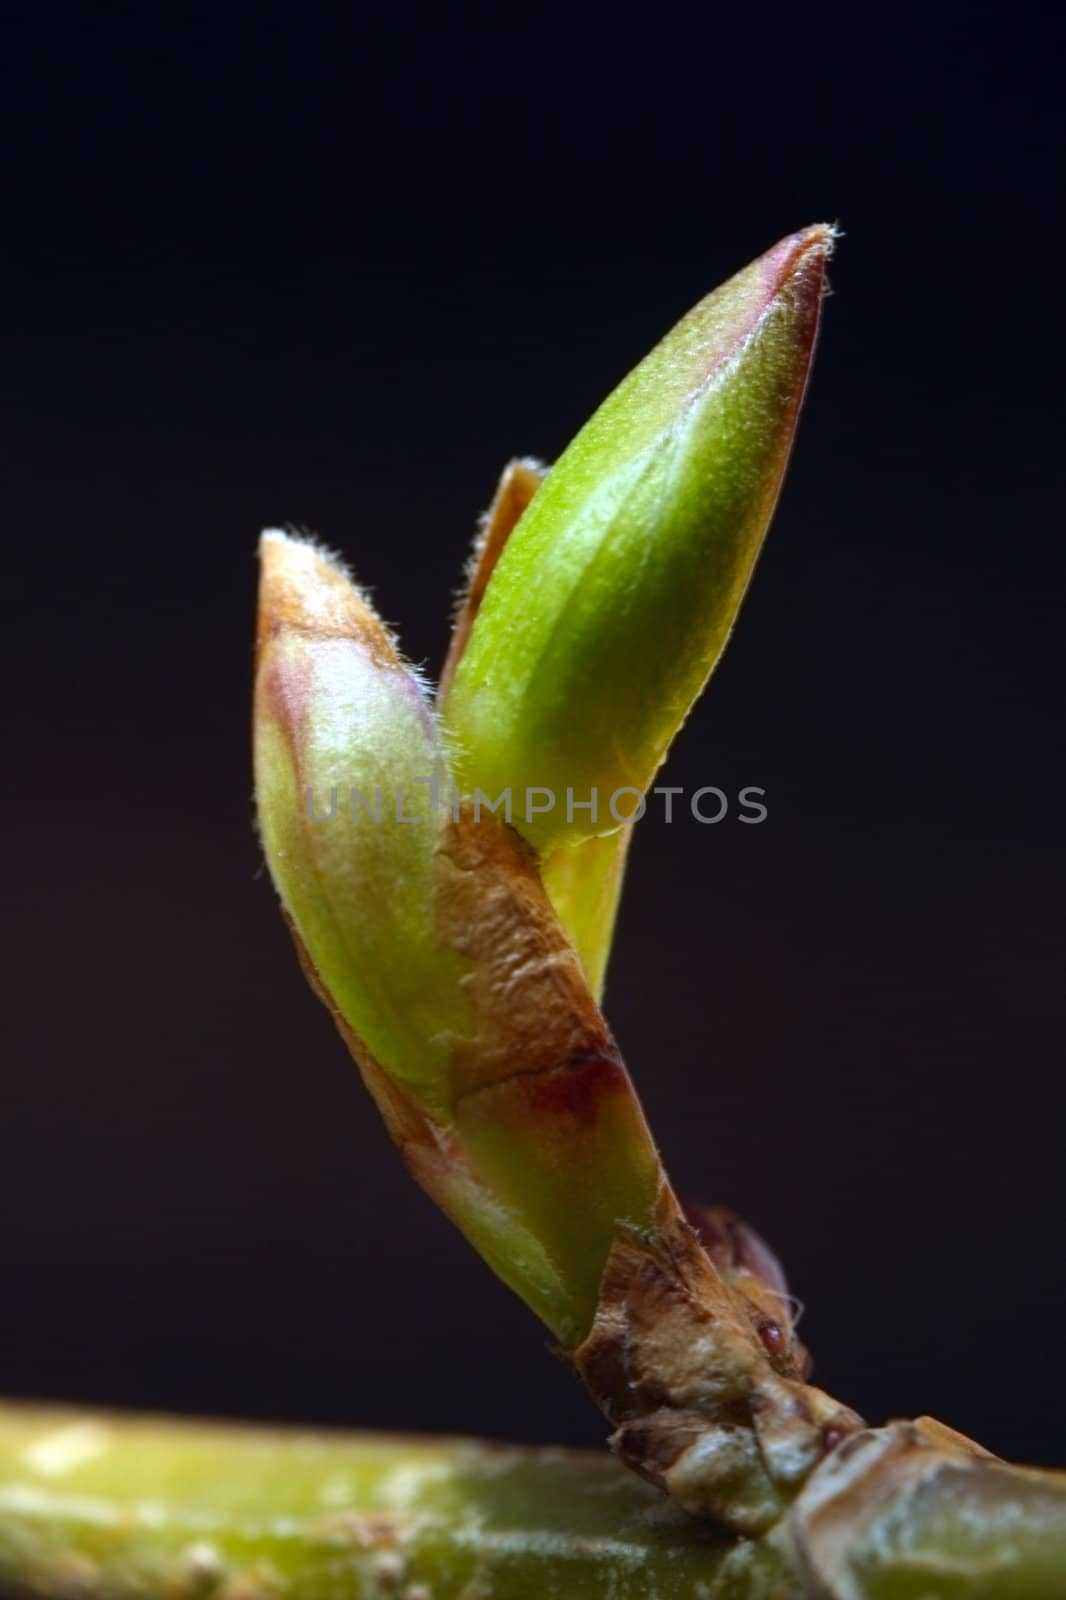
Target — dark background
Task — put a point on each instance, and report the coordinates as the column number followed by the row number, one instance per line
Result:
column 260, row 266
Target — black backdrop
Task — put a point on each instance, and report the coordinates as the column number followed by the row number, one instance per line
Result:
column 264, row 266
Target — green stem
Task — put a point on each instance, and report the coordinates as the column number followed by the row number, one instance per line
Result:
column 104, row 1507
column 118, row 1508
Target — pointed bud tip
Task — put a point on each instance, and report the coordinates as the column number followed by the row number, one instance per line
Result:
column 818, row 236
column 800, row 258
column 305, row 588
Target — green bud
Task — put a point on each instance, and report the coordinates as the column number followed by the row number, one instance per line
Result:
column 456, row 955
column 346, row 749
column 429, row 935
column 614, row 597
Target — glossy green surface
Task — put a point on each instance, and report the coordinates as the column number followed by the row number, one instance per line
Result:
column 112, row 1507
